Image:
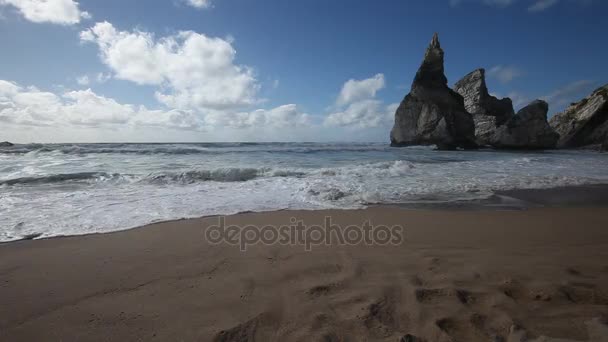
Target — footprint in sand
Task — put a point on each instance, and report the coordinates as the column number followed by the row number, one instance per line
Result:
column 381, row 319
column 436, row 295
column 597, row 330
column 463, row 329
column 583, row 293
column 257, row 328
column 322, row 290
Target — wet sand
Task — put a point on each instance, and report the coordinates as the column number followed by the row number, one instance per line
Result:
column 473, row 275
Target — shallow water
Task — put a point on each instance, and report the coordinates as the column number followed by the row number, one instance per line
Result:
column 66, row 189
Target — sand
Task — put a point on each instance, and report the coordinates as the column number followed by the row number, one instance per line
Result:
column 474, row 275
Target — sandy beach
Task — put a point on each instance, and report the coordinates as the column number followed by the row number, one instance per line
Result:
column 325, row 171
column 474, row 275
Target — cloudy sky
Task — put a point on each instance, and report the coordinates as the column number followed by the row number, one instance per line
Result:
column 273, row 70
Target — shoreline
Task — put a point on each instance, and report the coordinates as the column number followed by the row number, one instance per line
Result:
column 589, row 195
column 461, row 275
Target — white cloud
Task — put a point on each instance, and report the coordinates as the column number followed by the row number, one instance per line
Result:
column 357, row 90
column 193, row 71
column 100, row 77
column 199, row 3
column 541, row 5
column 64, row 12
column 84, row 108
column 83, row 80
column 363, row 114
column 280, row 117
column 31, row 106
column 504, row 73
column 356, row 106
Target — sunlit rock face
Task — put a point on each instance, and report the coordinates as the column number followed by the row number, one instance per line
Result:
column 488, row 112
column 584, row 123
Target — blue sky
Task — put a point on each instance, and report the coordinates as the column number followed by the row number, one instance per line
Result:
column 273, row 70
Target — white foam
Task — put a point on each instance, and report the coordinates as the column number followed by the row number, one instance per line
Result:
column 125, row 191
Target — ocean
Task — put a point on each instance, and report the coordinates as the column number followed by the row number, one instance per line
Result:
column 72, row 189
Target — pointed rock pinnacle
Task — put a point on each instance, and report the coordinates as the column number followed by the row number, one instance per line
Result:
column 435, row 42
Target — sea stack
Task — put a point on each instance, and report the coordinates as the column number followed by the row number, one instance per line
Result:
column 488, row 112
column 432, row 113
column 528, row 129
column 584, row 123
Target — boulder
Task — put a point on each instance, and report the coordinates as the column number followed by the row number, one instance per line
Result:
column 528, row 129
column 488, row 112
column 585, row 122
column 6, row 144
column 432, row 113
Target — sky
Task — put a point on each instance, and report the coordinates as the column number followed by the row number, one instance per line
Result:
column 274, row 70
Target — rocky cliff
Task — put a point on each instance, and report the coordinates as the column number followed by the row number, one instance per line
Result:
column 584, row 123
column 528, row 129
column 432, row 113
column 488, row 112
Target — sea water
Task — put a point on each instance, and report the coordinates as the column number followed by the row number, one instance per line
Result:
column 70, row 189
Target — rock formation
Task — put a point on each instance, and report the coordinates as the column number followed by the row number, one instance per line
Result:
column 6, row 144
column 584, row 123
column 528, row 129
column 432, row 113
column 488, row 111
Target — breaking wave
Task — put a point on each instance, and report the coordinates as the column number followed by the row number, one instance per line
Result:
column 185, row 149
column 85, row 188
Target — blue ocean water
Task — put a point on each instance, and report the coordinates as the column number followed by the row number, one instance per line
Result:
column 69, row 189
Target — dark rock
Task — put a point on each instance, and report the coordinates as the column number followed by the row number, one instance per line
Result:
column 488, row 111
column 585, row 122
column 411, row 338
column 528, row 129
column 432, row 113
column 6, row 144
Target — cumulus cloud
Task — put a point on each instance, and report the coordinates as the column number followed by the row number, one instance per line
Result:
column 280, row 117
column 356, row 90
column 31, row 106
column 504, row 73
column 63, row 12
column 193, row 71
column 356, row 105
column 363, row 114
column 84, row 108
column 199, row 3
